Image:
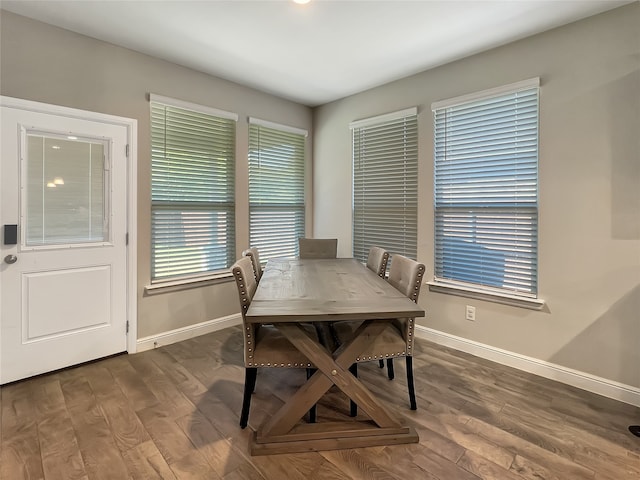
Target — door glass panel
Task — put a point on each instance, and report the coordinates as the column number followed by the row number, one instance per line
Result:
column 66, row 189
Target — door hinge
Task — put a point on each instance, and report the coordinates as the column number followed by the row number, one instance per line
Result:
column 126, row 238
column 127, row 150
column 127, row 327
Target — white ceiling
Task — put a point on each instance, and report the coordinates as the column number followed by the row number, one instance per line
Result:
column 313, row 53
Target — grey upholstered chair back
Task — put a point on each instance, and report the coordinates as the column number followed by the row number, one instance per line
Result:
column 318, row 247
column 255, row 259
column 377, row 260
column 406, row 276
column 246, row 283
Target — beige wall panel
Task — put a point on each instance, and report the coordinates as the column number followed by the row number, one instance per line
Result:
column 589, row 190
column 43, row 63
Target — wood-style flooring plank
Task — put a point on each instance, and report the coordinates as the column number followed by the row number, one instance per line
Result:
column 97, row 445
column 485, row 469
column 354, row 465
column 193, row 467
column 145, row 462
column 20, row 455
column 130, row 383
column 395, row 460
column 61, row 456
column 177, row 373
column 245, row 471
column 169, row 438
column 213, row 446
column 559, row 465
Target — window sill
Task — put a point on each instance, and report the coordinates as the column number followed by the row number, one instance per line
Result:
column 469, row 292
column 186, row 283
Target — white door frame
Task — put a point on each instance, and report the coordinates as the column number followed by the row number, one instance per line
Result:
column 132, row 196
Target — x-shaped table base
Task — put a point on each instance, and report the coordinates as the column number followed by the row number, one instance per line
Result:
column 281, row 434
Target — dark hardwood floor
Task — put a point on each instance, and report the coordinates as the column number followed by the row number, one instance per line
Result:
column 173, row 413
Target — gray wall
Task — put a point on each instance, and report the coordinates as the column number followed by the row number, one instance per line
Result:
column 589, row 190
column 43, row 63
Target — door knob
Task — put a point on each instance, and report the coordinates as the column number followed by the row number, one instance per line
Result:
column 10, row 259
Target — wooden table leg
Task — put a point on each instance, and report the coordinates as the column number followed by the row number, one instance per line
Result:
column 277, row 435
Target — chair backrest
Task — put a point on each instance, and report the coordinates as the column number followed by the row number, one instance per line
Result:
column 247, row 284
column 377, row 260
column 255, row 259
column 318, row 247
column 406, row 276
column 245, row 281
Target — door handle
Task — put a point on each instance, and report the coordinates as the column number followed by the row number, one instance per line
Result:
column 10, row 259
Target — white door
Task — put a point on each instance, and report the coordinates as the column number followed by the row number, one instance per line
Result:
column 63, row 289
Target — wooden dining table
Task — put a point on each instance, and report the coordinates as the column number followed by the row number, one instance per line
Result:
column 296, row 291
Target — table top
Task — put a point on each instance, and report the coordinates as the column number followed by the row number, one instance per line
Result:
column 294, row 290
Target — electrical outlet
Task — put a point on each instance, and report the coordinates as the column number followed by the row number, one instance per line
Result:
column 470, row 313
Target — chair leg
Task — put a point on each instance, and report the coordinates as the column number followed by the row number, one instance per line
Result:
column 312, row 410
column 390, row 371
column 353, row 411
column 250, row 375
column 381, row 363
column 412, row 390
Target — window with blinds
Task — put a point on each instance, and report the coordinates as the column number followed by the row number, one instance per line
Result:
column 486, row 190
column 276, row 188
column 192, row 189
column 385, row 183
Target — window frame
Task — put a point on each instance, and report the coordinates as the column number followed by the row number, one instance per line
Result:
column 293, row 203
column 460, row 286
column 367, row 217
column 171, row 282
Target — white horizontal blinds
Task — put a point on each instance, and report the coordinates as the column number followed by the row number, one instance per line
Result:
column 192, row 192
column 276, row 190
column 385, row 184
column 486, row 192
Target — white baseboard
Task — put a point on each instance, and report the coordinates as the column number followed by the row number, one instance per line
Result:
column 582, row 380
column 184, row 333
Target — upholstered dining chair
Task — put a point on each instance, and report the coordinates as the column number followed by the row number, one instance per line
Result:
column 377, row 261
column 264, row 345
column 254, row 254
column 396, row 340
column 318, row 247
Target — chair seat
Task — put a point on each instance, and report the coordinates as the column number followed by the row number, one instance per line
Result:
column 390, row 343
column 272, row 349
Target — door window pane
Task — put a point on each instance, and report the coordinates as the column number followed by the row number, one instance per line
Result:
column 65, row 190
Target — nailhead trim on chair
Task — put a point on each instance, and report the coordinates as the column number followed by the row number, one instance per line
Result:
column 386, row 355
column 281, row 365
